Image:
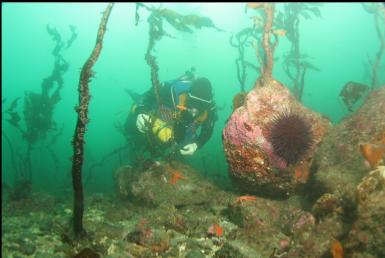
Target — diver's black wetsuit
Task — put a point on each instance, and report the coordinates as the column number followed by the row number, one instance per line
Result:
column 185, row 126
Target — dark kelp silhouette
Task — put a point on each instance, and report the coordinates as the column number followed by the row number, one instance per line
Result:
column 22, row 178
column 82, row 120
column 11, row 114
column 296, row 63
column 241, row 40
column 378, row 12
column 39, row 107
column 74, row 35
column 38, row 116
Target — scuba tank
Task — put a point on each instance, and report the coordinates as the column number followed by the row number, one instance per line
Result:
column 189, row 75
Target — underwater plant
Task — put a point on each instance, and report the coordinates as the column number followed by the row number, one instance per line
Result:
column 22, row 177
column 296, row 64
column 242, row 39
column 12, row 116
column 81, row 122
column 38, row 107
column 378, row 12
column 38, row 111
column 265, row 47
column 184, row 23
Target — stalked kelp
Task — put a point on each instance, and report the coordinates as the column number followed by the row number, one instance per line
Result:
column 38, row 113
column 241, row 40
column 378, row 12
column 184, row 23
column 39, row 107
column 270, row 140
column 82, row 120
column 296, row 63
column 21, row 186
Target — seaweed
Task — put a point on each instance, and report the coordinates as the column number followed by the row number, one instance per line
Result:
column 378, row 12
column 241, row 40
column 296, row 64
column 264, row 48
column 13, row 116
column 74, row 35
column 183, row 23
column 82, row 120
column 39, row 107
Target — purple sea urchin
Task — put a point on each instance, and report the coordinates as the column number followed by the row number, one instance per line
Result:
column 290, row 135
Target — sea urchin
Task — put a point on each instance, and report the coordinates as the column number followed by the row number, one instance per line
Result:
column 290, row 135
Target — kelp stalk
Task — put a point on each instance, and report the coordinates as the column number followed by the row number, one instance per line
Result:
column 12, row 154
column 269, row 51
column 242, row 38
column 82, row 120
column 267, row 61
column 295, row 64
column 381, row 49
column 155, row 33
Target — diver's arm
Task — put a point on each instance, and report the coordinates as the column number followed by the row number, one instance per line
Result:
column 207, row 128
column 146, row 103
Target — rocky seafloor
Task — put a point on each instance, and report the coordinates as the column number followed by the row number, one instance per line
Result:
column 170, row 210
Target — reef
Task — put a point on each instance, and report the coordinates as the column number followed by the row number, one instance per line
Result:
column 270, row 138
column 168, row 210
column 341, row 156
column 254, row 163
column 367, row 236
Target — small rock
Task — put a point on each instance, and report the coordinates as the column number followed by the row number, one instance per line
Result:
column 27, row 248
column 195, row 254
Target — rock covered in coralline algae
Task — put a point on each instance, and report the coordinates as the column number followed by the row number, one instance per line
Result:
column 172, row 183
column 367, row 235
column 254, row 163
column 341, row 164
column 341, row 145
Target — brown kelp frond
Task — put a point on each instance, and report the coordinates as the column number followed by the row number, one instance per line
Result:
column 179, row 21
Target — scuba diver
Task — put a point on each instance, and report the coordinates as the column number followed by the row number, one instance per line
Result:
column 182, row 122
